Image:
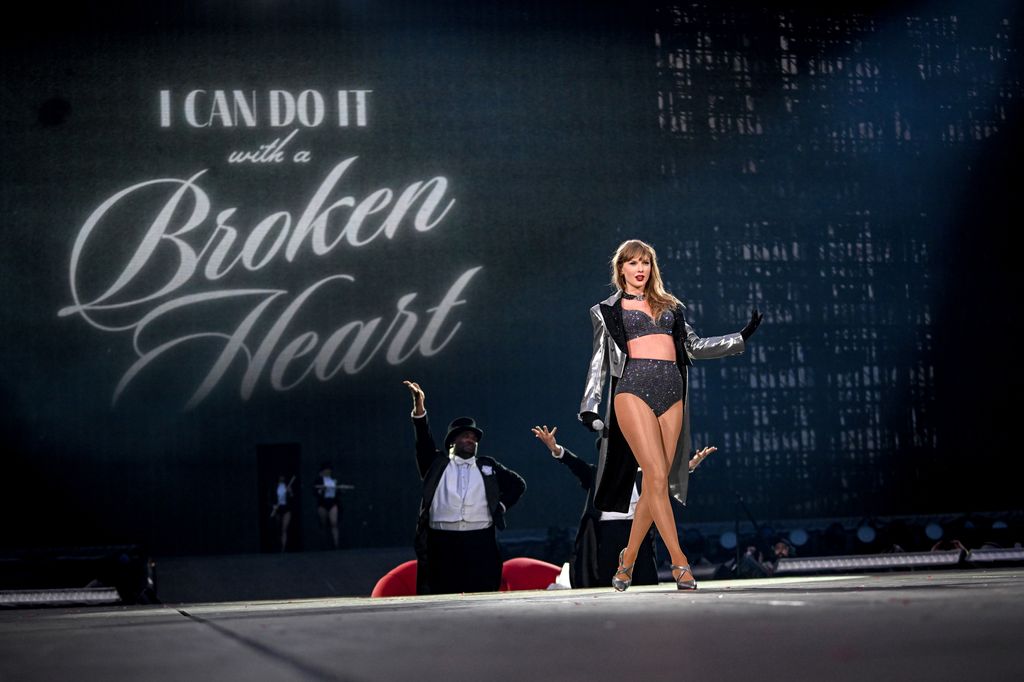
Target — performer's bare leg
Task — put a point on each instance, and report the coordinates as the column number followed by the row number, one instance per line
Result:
column 653, row 442
column 670, row 424
column 285, row 521
column 334, row 526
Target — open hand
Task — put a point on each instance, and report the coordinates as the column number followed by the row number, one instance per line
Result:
column 700, row 455
column 755, row 322
column 546, row 437
column 418, row 396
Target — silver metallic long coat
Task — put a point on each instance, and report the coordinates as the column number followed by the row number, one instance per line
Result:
column 616, row 465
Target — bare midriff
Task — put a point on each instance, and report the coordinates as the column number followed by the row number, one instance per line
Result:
column 652, row 347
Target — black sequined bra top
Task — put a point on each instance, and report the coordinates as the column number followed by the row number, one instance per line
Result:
column 638, row 323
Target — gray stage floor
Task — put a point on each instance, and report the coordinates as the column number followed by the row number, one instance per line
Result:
column 956, row 625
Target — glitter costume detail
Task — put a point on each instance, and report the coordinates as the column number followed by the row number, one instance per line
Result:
column 656, row 382
column 637, row 323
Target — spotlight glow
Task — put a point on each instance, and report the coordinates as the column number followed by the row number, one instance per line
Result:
column 866, row 534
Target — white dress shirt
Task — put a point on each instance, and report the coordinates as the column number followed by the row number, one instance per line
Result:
column 460, row 501
column 330, row 487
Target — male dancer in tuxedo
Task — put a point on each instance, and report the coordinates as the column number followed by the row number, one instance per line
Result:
column 465, row 497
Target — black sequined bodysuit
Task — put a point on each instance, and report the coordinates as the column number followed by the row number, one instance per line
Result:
column 656, row 382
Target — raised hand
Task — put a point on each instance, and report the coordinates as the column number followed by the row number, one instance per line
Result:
column 755, row 322
column 418, row 397
column 547, row 437
column 700, row 456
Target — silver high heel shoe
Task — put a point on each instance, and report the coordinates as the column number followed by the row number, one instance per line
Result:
column 621, row 585
column 681, row 584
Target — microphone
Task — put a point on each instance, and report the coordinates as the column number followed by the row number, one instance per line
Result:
column 592, row 421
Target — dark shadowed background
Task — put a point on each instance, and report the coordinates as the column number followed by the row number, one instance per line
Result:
column 847, row 170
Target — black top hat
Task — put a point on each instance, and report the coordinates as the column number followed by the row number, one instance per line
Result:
column 458, row 426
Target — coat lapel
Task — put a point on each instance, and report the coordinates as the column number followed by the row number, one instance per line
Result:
column 611, row 311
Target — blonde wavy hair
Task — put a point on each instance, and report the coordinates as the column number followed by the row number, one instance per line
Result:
column 654, row 293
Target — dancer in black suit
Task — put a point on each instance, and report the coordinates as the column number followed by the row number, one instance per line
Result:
column 465, row 498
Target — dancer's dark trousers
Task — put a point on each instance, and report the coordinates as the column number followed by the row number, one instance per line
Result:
column 463, row 561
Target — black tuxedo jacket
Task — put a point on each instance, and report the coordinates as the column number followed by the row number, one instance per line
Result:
column 503, row 487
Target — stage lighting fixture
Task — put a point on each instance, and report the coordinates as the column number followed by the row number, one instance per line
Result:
column 869, row 562
column 728, row 540
column 995, row 555
column 934, row 531
column 866, row 534
column 59, row 597
column 56, row 575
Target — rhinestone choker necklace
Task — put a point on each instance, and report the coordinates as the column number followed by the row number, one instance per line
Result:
column 633, row 297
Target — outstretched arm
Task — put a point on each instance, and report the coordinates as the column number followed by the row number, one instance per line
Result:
column 426, row 450
column 712, row 347
column 580, row 469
